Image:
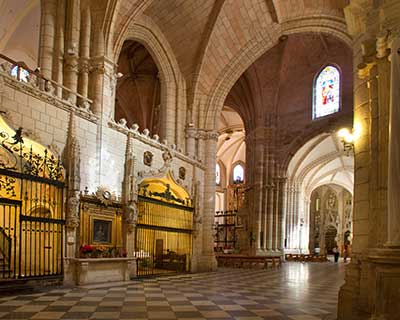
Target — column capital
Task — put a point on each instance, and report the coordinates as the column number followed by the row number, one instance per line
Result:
column 207, row 134
column 71, row 62
column 103, row 65
column 190, row 131
column 212, row 135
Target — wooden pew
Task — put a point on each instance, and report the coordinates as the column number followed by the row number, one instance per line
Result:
column 242, row 261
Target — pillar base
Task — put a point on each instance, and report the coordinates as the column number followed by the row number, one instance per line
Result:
column 383, row 283
column 206, row 263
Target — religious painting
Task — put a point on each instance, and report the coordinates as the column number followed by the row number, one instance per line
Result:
column 101, row 231
column 326, row 92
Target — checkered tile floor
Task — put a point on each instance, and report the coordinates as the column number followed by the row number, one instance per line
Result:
column 297, row 291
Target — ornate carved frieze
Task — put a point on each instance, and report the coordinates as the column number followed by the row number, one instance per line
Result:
column 167, row 157
column 47, row 96
column 72, row 217
column 153, row 141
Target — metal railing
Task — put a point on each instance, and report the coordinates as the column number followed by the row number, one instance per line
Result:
column 21, row 72
column 5, row 245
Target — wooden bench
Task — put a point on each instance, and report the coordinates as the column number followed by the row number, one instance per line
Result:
column 305, row 257
column 242, row 261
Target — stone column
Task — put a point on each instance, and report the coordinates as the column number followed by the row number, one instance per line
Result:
column 191, row 133
column 282, row 206
column 84, row 49
column 47, row 36
column 289, row 216
column 394, row 149
column 207, row 261
column 201, row 150
column 257, row 173
column 277, row 213
column 71, row 54
column 58, row 54
column 102, row 88
column 296, row 221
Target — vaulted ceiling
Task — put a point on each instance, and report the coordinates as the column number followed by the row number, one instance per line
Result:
column 17, row 17
column 206, row 36
column 322, row 161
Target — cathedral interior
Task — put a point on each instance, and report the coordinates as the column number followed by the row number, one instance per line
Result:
column 214, row 159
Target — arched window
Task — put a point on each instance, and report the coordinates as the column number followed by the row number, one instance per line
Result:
column 19, row 73
column 238, row 174
column 217, row 174
column 326, row 92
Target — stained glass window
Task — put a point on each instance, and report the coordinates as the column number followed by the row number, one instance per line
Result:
column 23, row 74
column 326, row 92
column 238, row 174
column 218, row 174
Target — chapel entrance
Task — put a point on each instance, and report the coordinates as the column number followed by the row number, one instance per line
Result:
column 164, row 230
column 31, row 208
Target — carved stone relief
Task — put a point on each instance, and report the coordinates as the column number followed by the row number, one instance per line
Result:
column 182, row 173
column 148, row 158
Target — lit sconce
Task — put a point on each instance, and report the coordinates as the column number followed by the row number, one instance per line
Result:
column 347, row 138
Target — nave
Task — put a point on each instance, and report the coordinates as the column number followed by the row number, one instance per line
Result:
column 297, row 291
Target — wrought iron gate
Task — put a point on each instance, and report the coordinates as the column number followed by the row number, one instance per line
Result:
column 31, row 208
column 163, row 237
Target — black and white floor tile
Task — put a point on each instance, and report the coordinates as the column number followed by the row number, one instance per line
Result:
column 297, row 291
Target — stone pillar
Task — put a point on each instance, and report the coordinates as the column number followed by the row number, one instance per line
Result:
column 191, row 133
column 102, row 88
column 58, row 54
column 296, row 222
column 289, row 216
column 84, row 49
column 207, row 261
column 277, row 213
column 257, row 171
column 201, row 150
column 47, row 36
column 394, row 149
column 282, row 206
column 71, row 54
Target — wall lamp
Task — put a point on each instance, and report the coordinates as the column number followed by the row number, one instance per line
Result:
column 347, row 137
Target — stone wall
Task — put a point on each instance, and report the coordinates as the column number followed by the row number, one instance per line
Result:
column 102, row 146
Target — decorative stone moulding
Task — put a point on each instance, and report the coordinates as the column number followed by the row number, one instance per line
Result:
column 47, row 93
column 146, row 132
column 135, row 127
column 89, row 271
column 153, row 141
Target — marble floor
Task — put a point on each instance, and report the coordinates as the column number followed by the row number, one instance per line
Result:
column 297, row 291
